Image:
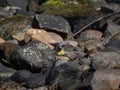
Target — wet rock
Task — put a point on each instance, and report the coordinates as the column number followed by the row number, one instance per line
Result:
column 21, row 76
column 108, row 79
column 91, row 34
column 35, row 56
column 36, row 80
column 104, row 60
column 53, row 23
column 13, row 25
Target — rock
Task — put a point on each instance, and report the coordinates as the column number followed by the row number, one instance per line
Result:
column 6, row 50
column 96, row 28
column 5, row 72
column 2, row 40
column 53, row 23
column 26, row 13
column 41, row 88
column 112, row 28
column 67, row 76
column 7, row 11
column 107, row 79
column 19, row 3
column 3, row 3
column 12, row 25
column 43, row 36
column 35, row 80
column 57, row 38
column 104, row 60
column 93, row 46
column 91, row 34
column 85, row 61
column 61, row 60
column 84, row 68
column 35, row 56
column 66, row 8
column 114, row 41
column 19, row 36
column 33, row 5
column 71, row 52
column 70, row 84
column 66, row 70
column 21, row 76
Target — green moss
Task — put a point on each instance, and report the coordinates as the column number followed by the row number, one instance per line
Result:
column 16, row 18
column 12, row 25
column 67, row 8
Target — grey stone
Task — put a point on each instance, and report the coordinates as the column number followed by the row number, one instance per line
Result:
column 33, row 56
column 107, row 79
column 54, row 23
column 36, row 80
column 21, row 76
column 104, row 60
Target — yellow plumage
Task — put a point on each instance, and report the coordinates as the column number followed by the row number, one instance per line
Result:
column 61, row 52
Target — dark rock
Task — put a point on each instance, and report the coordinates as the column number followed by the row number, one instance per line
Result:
column 33, row 56
column 116, row 1
column 114, row 42
column 21, row 76
column 108, row 79
column 12, row 25
column 19, row 3
column 3, row 3
column 5, row 72
column 36, row 80
column 6, row 49
column 30, row 14
column 104, row 60
column 65, row 75
column 69, row 84
column 54, row 23
column 112, row 28
column 81, row 22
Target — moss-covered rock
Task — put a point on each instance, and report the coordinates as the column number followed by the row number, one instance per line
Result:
column 66, row 8
column 13, row 25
